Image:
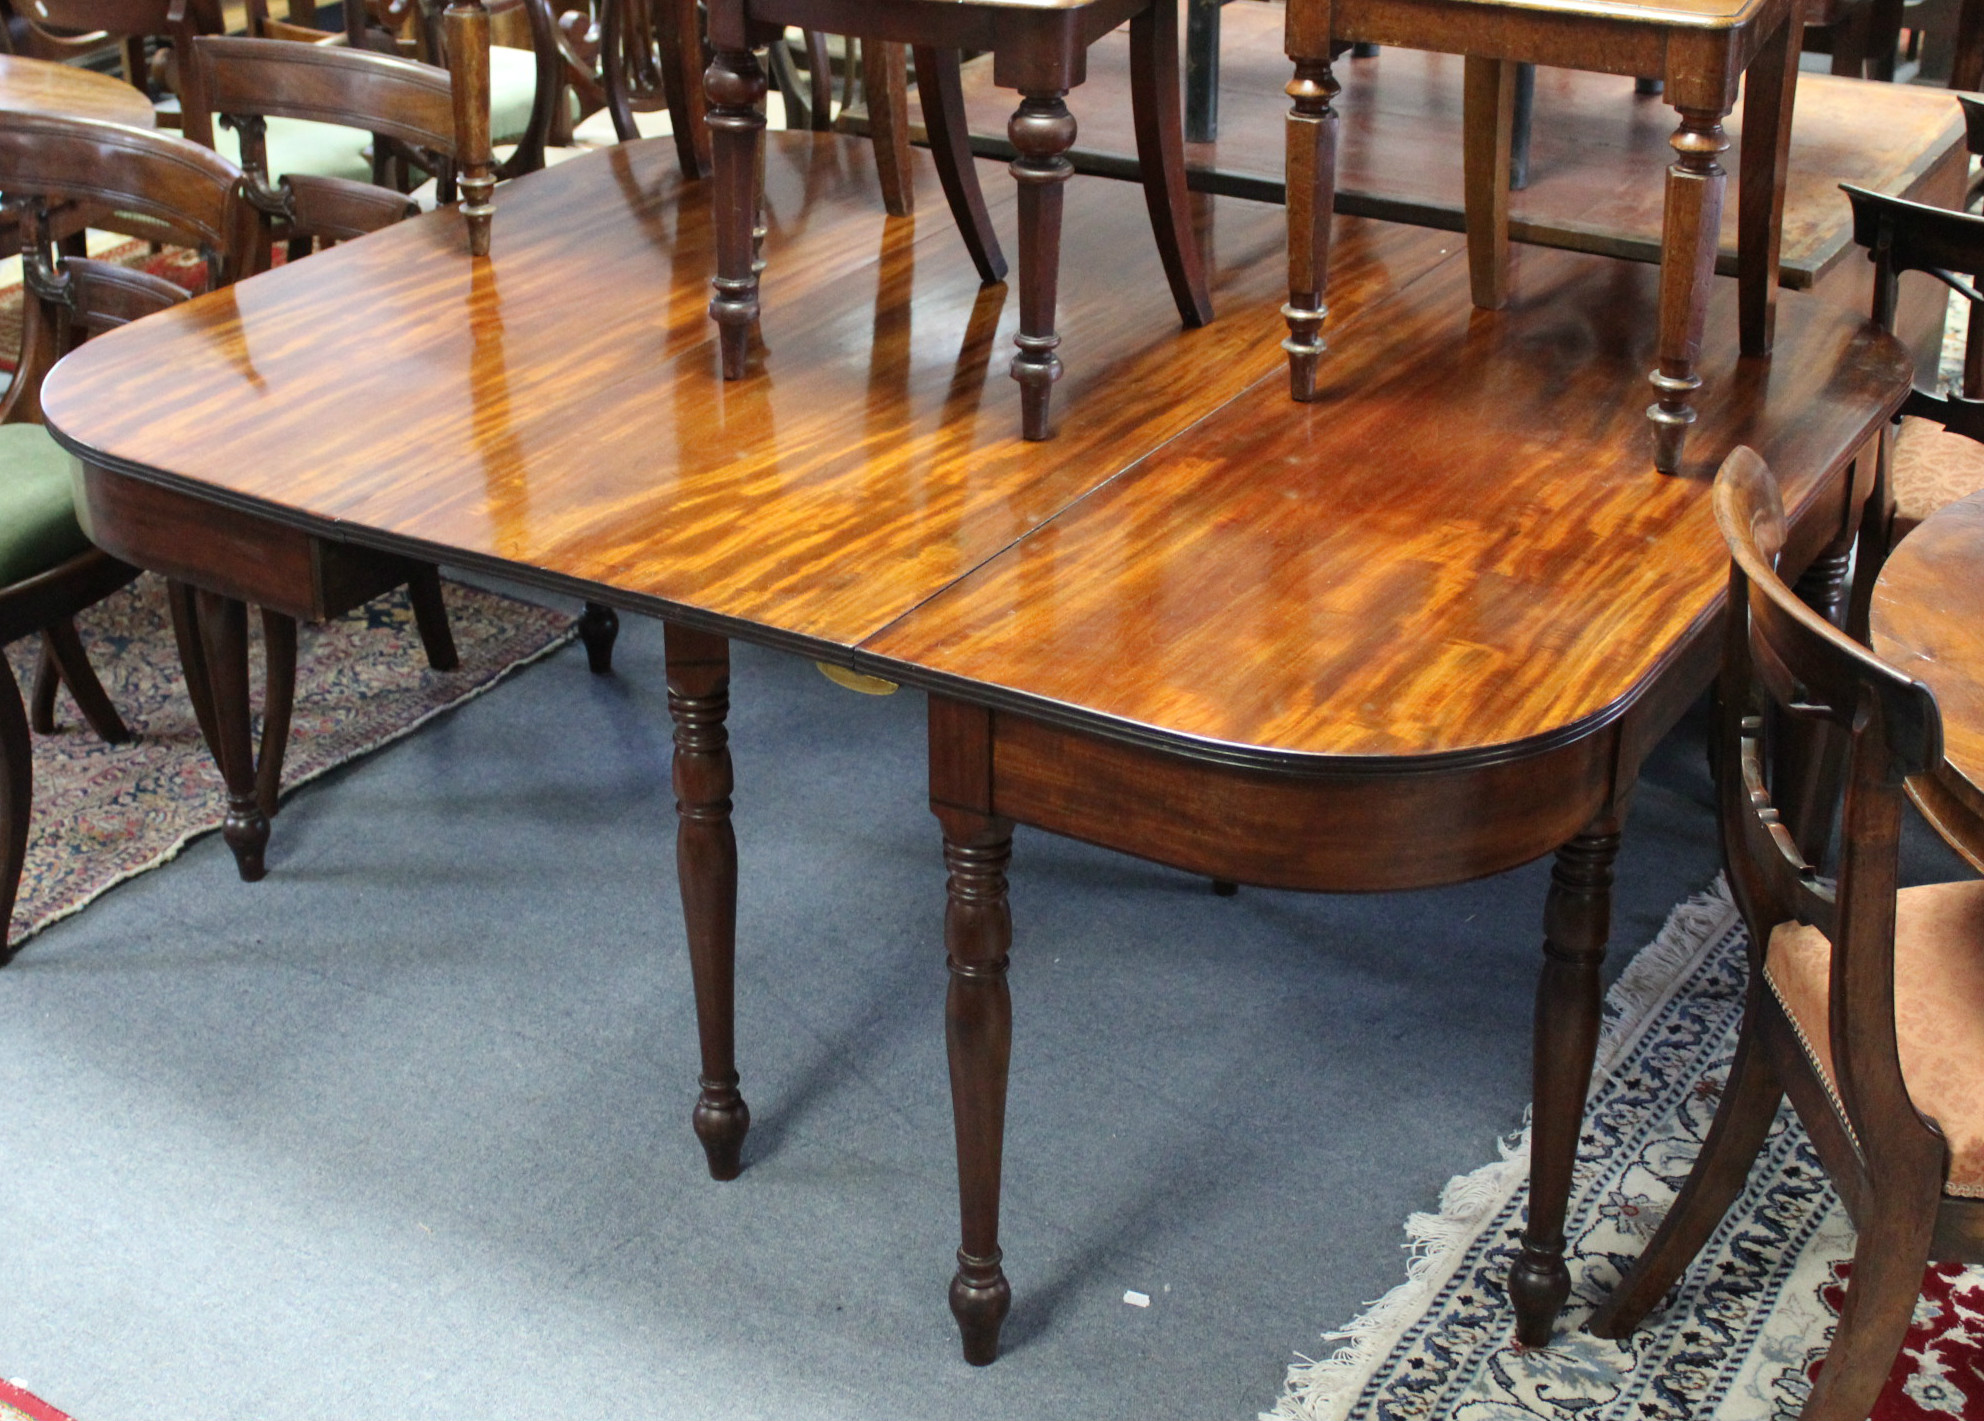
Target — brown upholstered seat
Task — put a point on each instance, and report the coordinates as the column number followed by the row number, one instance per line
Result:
column 1938, row 1008
column 1933, row 468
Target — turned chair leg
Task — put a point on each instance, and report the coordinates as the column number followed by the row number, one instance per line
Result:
column 735, row 85
column 1161, row 155
column 940, row 89
column 1687, row 267
column 430, row 618
column 1042, row 130
column 63, row 660
column 1749, row 1104
column 16, row 800
column 1311, row 191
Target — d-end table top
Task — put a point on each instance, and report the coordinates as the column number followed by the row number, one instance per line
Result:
column 556, row 410
column 67, row 91
column 1459, row 553
column 1928, row 623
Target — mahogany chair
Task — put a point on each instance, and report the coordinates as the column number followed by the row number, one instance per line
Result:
column 1040, row 49
column 65, row 29
column 1864, row 1001
column 48, row 570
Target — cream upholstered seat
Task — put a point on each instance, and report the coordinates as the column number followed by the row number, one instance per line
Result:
column 1938, row 1010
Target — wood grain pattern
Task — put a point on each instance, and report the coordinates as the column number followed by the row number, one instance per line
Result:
column 1928, row 609
column 1460, row 552
column 1595, row 162
column 43, row 86
column 560, row 404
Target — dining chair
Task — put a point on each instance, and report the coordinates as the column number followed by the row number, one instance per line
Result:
column 67, row 27
column 1038, row 49
column 48, row 570
column 1865, row 1003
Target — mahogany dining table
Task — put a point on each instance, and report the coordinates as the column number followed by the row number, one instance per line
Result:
column 1424, row 632
column 70, row 91
column 1927, row 621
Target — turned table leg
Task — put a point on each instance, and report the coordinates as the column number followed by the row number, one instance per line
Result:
column 1577, row 920
column 1042, row 130
column 1311, row 198
column 1687, row 266
column 223, row 631
column 706, row 865
column 735, row 85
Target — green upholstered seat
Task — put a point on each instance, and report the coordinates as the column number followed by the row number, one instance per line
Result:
column 323, row 150
column 38, row 527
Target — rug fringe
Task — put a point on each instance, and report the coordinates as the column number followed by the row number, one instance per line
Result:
column 1325, row 1389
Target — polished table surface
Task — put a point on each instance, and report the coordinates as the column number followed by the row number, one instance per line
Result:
column 1424, row 629
column 44, row 86
column 1928, row 623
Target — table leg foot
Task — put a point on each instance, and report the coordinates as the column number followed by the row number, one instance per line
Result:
column 735, row 83
column 1042, row 130
column 599, row 626
column 1577, row 920
column 980, row 1299
column 706, row 867
column 1311, row 186
column 1672, row 416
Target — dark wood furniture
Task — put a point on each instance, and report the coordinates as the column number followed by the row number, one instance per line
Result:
column 181, row 191
column 1176, row 566
column 1926, row 613
column 130, row 23
column 44, row 86
column 1700, row 49
column 1039, row 47
column 1863, row 1001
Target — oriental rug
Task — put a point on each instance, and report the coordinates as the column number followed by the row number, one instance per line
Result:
column 103, row 813
column 1745, row 1330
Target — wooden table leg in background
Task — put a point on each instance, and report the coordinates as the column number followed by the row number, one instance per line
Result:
column 1577, row 921
column 599, row 625
column 706, row 865
column 978, row 1011
column 223, row 633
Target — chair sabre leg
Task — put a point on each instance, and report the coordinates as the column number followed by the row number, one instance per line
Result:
column 16, row 801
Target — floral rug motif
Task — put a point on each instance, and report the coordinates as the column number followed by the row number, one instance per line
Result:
column 103, row 813
column 1747, row 1328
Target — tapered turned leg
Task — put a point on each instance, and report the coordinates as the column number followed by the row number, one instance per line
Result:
column 940, row 88
column 1311, row 198
column 599, row 626
column 1161, row 156
column 978, row 1031
column 1042, row 130
column 16, row 800
column 278, row 704
column 706, row 864
column 430, row 619
column 223, row 624
column 735, row 85
column 1749, row 1103
column 1687, row 265
column 1577, row 920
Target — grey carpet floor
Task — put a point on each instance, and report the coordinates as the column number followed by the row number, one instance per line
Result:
column 403, row 1130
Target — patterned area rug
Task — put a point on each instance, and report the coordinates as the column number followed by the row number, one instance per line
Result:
column 105, row 812
column 1746, row 1329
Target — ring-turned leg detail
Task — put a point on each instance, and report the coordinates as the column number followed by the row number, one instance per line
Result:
column 978, row 1031
column 1311, row 197
column 1042, row 130
column 706, row 865
column 1577, row 920
column 1687, row 267
column 735, row 84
